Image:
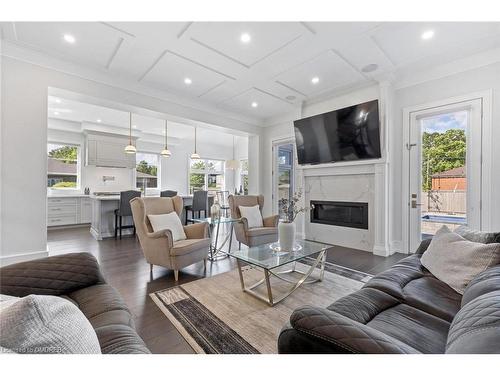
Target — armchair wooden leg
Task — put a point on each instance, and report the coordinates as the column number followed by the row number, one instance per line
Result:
column 151, row 267
column 239, row 245
column 205, row 263
column 176, row 275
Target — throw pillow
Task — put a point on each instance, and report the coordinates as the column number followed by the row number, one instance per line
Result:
column 456, row 261
column 168, row 221
column 46, row 324
column 476, row 235
column 253, row 216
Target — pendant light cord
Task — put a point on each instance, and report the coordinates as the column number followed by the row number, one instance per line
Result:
column 166, row 132
column 130, row 129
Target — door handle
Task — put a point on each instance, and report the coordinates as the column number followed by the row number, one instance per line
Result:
column 414, row 204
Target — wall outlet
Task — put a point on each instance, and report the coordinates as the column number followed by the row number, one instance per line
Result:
column 108, row 178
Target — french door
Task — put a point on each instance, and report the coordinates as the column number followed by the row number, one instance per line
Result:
column 283, row 172
column 444, row 171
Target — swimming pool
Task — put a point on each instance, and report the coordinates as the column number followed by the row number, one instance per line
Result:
column 447, row 219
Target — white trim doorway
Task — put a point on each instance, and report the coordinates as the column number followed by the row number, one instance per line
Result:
column 275, row 170
column 480, row 151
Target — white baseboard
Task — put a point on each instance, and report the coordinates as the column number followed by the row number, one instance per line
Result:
column 383, row 251
column 397, row 247
column 5, row 260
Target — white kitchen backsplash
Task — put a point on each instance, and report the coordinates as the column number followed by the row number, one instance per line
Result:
column 107, row 179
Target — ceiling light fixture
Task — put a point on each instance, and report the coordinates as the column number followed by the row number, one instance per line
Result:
column 99, row 120
column 255, row 104
column 130, row 148
column 56, row 113
column 187, row 81
column 245, row 38
column 69, row 38
column 315, row 80
column 166, row 152
column 195, row 155
column 58, row 101
column 429, row 34
column 233, row 163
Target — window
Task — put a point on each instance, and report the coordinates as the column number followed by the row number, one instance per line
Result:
column 147, row 167
column 205, row 174
column 244, row 175
column 63, row 166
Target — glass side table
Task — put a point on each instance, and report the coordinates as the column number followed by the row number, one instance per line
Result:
column 216, row 245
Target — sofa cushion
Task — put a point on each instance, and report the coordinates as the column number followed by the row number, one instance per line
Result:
column 487, row 281
column 100, row 299
column 253, row 216
column 169, row 221
column 476, row 235
column 476, row 327
column 264, row 231
column 418, row 329
column 188, row 246
column 46, row 324
column 411, row 283
column 456, row 261
column 120, row 339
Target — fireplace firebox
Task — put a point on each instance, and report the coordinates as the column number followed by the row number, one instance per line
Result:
column 344, row 214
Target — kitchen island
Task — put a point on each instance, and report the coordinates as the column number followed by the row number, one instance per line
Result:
column 103, row 215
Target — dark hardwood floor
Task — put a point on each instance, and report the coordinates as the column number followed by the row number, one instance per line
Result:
column 125, row 268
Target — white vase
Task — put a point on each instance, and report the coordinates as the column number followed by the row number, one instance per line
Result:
column 286, row 233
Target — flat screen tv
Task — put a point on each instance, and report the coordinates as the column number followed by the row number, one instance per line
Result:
column 347, row 134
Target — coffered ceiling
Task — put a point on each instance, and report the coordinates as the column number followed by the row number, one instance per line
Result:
column 256, row 69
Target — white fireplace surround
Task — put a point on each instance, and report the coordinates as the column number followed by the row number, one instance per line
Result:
column 363, row 181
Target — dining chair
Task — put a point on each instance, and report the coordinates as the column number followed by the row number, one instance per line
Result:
column 200, row 203
column 168, row 193
column 124, row 210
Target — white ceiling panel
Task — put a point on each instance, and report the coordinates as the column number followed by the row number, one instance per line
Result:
column 403, row 44
column 331, row 70
column 171, row 71
column 267, row 105
column 266, row 38
column 94, row 42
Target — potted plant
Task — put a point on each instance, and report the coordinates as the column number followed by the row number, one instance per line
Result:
column 289, row 209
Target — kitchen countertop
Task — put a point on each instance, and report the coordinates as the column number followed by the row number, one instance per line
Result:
column 67, row 195
column 117, row 197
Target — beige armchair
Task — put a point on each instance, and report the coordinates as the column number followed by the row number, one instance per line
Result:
column 252, row 236
column 158, row 247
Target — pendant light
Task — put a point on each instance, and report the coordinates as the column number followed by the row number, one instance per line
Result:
column 195, row 155
column 233, row 163
column 130, row 148
column 166, row 152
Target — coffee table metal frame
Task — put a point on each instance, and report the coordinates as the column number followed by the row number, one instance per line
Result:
column 269, row 298
column 216, row 251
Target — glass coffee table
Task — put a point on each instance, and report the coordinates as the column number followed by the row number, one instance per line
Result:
column 273, row 262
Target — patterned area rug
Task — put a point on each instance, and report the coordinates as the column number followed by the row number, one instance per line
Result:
column 215, row 316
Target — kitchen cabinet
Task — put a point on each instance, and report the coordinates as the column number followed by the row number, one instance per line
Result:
column 68, row 210
column 107, row 151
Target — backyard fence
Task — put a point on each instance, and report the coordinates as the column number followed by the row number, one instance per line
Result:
column 444, row 201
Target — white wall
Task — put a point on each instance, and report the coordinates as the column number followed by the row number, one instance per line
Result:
column 484, row 78
column 480, row 79
column 24, row 127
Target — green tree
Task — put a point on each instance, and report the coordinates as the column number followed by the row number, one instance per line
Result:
column 144, row 167
column 66, row 154
column 441, row 152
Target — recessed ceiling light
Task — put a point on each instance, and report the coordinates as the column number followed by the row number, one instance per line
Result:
column 187, row 81
column 255, row 104
column 290, row 97
column 245, row 37
column 369, row 68
column 429, row 34
column 315, row 80
column 69, row 38
column 56, row 113
column 134, row 126
column 58, row 101
column 98, row 120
